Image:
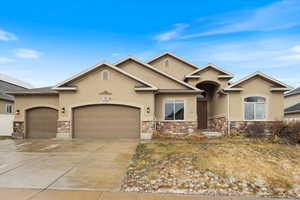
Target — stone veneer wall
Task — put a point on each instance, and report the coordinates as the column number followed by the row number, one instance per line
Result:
column 18, row 130
column 148, row 126
column 241, row 126
column 218, row 124
column 176, row 126
column 64, row 129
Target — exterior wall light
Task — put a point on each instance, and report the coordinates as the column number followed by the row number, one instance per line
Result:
column 63, row 110
column 17, row 112
column 148, row 110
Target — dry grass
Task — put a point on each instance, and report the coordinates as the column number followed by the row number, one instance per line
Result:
column 278, row 165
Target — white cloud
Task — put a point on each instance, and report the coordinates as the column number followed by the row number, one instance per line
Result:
column 7, row 36
column 279, row 15
column 5, row 60
column 115, row 54
column 171, row 34
column 27, row 53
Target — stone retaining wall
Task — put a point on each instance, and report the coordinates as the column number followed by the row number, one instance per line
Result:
column 242, row 126
column 177, row 126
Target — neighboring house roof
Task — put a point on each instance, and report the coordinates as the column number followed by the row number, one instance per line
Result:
column 292, row 92
column 156, row 70
column 174, row 56
column 99, row 65
column 227, row 74
column 292, row 109
column 283, row 86
column 6, row 87
column 15, row 81
column 41, row 91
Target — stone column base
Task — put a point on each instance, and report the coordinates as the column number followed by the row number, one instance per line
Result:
column 64, row 130
column 218, row 124
column 18, row 130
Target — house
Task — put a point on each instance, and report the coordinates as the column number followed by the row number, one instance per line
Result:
column 292, row 105
column 131, row 99
column 7, row 103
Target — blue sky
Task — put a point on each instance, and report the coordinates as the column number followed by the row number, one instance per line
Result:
column 44, row 43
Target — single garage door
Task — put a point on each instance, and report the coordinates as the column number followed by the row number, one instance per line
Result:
column 41, row 123
column 106, row 121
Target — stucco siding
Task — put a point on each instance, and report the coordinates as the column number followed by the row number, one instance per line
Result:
column 256, row 87
column 190, row 102
column 209, row 74
column 150, row 76
column 30, row 101
column 173, row 66
column 120, row 88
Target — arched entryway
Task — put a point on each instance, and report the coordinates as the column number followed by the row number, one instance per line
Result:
column 204, row 106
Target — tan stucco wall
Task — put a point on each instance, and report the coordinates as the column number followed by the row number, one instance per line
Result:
column 175, row 67
column 291, row 100
column 150, row 76
column 190, row 103
column 218, row 106
column 256, row 87
column 25, row 102
column 120, row 86
column 209, row 74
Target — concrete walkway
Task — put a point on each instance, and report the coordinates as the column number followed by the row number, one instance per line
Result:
column 30, row 194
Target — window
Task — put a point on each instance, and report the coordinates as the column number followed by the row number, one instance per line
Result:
column 174, row 110
column 105, row 75
column 255, row 108
column 9, row 108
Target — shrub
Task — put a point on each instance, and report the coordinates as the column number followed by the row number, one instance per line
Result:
column 291, row 131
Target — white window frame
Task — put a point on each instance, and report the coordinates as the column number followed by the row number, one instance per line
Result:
column 164, row 109
column 6, row 108
column 254, row 107
column 102, row 75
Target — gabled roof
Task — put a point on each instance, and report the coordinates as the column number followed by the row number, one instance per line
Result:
column 292, row 109
column 292, row 92
column 284, row 87
column 99, row 65
column 174, row 56
column 227, row 74
column 156, row 70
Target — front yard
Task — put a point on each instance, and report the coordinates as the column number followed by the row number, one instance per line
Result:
column 220, row 166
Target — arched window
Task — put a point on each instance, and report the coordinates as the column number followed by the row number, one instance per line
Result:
column 255, row 108
column 105, row 75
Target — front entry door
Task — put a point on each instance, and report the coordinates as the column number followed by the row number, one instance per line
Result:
column 202, row 114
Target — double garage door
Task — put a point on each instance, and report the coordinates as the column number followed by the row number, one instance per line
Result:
column 95, row 121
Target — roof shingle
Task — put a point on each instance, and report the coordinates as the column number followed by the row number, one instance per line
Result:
column 293, row 109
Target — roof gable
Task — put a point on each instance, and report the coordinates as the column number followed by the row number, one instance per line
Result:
column 61, row 86
column 223, row 73
column 173, row 56
column 279, row 86
column 156, row 70
column 293, row 92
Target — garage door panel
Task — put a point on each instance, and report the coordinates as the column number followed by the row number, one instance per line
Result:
column 41, row 123
column 106, row 121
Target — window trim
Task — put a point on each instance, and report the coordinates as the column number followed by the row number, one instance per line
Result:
column 266, row 107
column 12, row 108
column 164, row 110
column 102, row 75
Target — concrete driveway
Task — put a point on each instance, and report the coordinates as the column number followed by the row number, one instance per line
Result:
column 65, row 164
